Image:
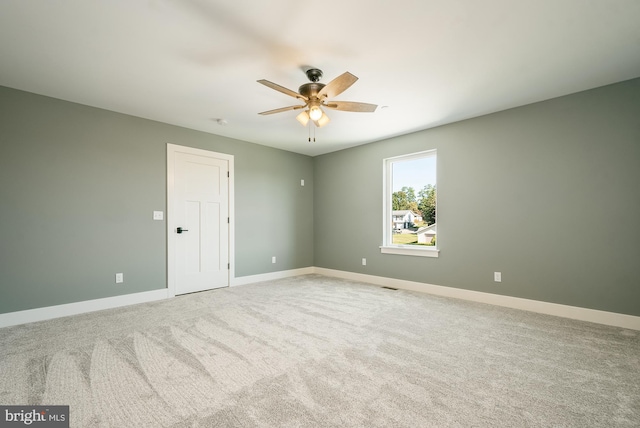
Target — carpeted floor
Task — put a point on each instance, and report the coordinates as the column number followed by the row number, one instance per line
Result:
column 314, row 351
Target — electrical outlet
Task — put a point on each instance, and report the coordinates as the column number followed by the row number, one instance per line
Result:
column 119, row 278
column 158, row 215
column 302, row 182
column 273, row 259
column 497, row 276
column 364, row 261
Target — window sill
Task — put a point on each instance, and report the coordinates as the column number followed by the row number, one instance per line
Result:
column 410, row 251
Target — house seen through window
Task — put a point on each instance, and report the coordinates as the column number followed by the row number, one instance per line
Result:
column 410, row 205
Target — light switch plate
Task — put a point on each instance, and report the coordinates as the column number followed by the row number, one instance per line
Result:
column 158, row 215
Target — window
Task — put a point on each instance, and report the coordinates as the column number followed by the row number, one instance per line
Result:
column 410, row 205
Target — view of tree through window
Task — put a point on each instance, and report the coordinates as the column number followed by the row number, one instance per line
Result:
column 413, row 199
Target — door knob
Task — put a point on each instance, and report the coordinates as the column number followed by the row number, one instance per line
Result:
column 180, row 230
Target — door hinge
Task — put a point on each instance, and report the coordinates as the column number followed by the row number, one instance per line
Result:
column 228, row 221
column 228, row 265
column 228, row 174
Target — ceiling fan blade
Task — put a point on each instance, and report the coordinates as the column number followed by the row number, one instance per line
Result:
column 338, row 85
column 324, row 119
column 282, row 89
column 280, row 110
column 303, row 118
column 351, row 106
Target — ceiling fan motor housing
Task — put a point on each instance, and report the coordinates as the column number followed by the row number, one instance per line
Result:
column 310, row 90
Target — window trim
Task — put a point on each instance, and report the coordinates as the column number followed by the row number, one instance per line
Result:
column 387, row 217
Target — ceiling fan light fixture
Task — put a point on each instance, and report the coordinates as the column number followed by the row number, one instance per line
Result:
column 324, row 119
column 303, row 118
column 315, row 112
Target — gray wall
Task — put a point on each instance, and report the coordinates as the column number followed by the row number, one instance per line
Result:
column 78, row 186
column 554, row 185
column 548, row 194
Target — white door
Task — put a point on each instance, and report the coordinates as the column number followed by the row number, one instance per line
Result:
column 199, row 220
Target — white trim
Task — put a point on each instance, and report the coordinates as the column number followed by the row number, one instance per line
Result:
column 232, row 221
column 565, row 311
column 572, row 312
column 171, row 239
column 408, row 251
column 172, row 149
column 76, row 308
column 413, row 156
column 387, row 246
column 252, row 279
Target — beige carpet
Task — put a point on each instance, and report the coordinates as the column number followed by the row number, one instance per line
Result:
column 314, row 351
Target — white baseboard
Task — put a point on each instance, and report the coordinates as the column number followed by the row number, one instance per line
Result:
column 50, row 312
column 252, row 279
column 573, row 312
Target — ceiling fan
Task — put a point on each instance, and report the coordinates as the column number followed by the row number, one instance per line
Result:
column 315, row 95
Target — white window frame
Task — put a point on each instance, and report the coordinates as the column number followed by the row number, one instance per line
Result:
column 387, row 246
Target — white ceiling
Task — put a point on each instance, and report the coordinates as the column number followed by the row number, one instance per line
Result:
column 190, row 62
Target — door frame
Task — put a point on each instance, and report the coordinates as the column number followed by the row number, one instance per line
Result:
column 172, row 149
